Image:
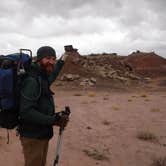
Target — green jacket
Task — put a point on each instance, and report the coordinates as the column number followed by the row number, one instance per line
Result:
column 37, row 104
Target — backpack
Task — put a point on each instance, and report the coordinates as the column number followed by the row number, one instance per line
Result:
column 13, row 70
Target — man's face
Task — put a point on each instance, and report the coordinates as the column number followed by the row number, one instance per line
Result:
column 48, row 63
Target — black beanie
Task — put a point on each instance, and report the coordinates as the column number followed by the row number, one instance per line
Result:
column 45, row 51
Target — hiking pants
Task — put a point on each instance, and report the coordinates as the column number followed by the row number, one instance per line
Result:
column 35, row 151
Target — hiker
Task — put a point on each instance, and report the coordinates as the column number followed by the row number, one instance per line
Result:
column 37, row 111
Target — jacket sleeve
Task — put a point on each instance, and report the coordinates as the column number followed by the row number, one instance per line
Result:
column 28, row 104
column 56, row 71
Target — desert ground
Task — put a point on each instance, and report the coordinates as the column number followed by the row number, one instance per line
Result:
column 106, row 128
column 118, row 115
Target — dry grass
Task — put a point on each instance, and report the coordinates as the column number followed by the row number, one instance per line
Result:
column 155, row 110
column 147, row 136
column 108, row 94
column 143, row 95
column 88, row 127
column 115, row 108
column 95, row 154
column 105, row 122
column 91, row 94
column 84, row 102
column 129, row 100
column 105, row 98
column 159, row 162
column 77, row 94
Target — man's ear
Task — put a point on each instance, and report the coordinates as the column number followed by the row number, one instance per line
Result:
column 40, row 61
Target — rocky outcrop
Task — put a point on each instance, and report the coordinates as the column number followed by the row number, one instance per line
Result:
column 109, row 67
column 92, row 69
column 147, row 64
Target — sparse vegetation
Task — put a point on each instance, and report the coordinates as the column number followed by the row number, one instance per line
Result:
column 84, row 102
column 105, row 122
column 105, row 98
column 91, row 94
column 77, row 94
column 147, row 136
column 115, row 108
column 88, row 127
column 93, row 101
column 95, row 154
column 155, row 110
column 107, row 95
column 164, row 145
column 129, row 100
column 159, row 162
column 143, row 95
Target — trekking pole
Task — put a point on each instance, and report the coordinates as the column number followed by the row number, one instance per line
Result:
column 59, row 143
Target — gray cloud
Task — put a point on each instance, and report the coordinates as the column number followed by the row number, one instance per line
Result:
column 96, row 25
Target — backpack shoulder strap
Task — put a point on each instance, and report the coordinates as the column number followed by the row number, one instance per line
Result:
column 39, row 81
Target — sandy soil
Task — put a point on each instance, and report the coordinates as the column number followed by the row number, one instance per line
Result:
column 103, row 130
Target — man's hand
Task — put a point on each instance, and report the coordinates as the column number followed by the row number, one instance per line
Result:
column 61, row 119
column 64, row 56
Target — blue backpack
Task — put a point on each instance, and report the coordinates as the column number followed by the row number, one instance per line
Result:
column 13, row 70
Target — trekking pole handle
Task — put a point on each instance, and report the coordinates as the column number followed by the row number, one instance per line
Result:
column 67, row 110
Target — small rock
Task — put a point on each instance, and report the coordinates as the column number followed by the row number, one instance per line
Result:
column 70, row 77
column 93, row 80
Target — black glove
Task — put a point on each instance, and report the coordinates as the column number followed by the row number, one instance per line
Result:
column 61, row 118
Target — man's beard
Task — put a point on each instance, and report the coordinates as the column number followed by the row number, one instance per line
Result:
column 47, row 67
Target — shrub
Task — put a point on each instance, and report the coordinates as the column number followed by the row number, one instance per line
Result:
column 155, row 110
column 159, row 162
column 115, row 108
column 91, row 94
column 105, row 122
column 77, row 94
column 143, row 95
column 147, row 136
column 95, row 154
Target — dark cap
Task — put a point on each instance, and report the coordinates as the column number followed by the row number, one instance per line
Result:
column 45, row 51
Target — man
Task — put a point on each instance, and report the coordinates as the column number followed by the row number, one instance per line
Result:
column 37, row 111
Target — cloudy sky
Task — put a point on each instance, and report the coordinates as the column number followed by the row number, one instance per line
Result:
column 97, row 26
